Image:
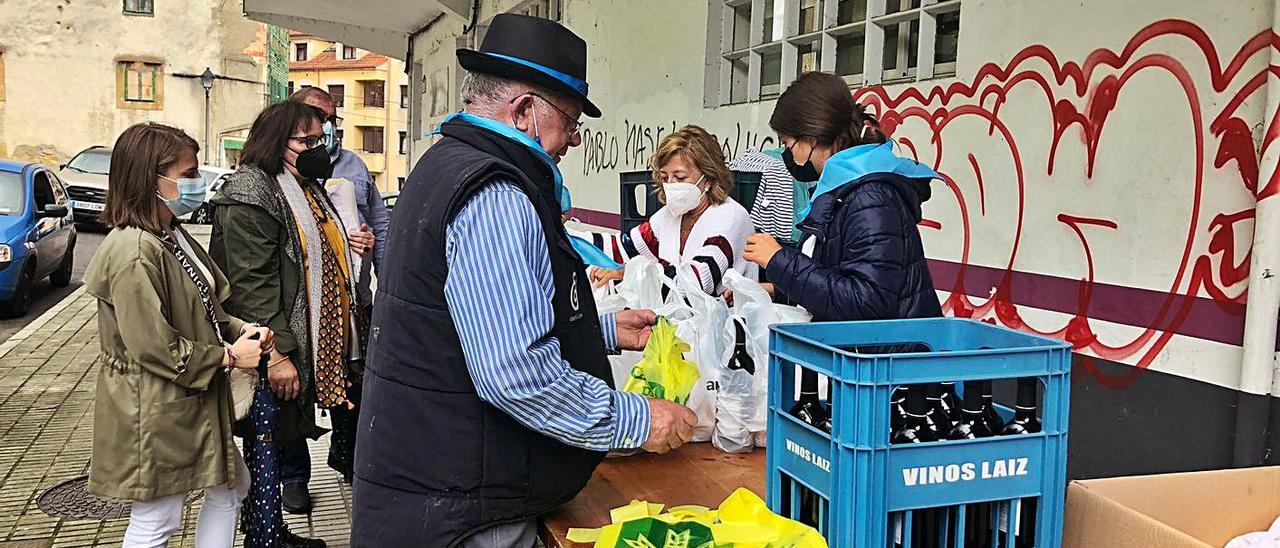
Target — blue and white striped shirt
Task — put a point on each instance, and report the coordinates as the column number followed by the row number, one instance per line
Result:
column 499, row 289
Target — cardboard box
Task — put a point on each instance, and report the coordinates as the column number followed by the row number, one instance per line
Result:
column 1190, row 510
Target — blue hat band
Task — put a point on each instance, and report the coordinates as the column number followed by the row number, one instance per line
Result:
column 576, row 83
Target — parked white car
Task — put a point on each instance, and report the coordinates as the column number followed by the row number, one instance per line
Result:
column 86, row 179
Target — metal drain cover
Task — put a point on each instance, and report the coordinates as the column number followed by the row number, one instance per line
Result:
column 72, row 499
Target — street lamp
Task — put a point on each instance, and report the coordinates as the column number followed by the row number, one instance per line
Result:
column 206, row 80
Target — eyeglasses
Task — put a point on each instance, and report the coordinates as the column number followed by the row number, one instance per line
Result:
column 572, row 125
column 309, row 141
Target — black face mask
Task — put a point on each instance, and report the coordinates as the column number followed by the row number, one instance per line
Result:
column 314, row 163
column 804, row 173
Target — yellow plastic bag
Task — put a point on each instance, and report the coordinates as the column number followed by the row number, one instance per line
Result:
column 742, row 521
column 663, row 373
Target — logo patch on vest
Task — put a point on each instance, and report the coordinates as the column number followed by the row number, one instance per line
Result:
column 573, row 294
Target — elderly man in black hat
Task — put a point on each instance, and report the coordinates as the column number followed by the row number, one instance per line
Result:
column 488, row 398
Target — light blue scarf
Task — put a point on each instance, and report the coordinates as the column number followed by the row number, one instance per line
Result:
column 591, row 254
column 854, row 163
column 520, row 138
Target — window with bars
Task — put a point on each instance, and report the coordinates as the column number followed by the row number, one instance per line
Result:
column 546, row 9
column 339, row 93
column 404, row 142
column 139, row 83
column 300, row 52
column 766, row 44
column 375, row 93
column 373, row 136
column 139, row 7
column 404, row 96
column 348, row 52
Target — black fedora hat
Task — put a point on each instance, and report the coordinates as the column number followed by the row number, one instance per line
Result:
column 534, row 50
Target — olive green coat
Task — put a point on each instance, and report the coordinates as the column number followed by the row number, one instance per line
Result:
column 163, row 411
column 255, row 242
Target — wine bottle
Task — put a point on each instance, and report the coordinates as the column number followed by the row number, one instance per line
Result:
column 1022, row 513
column 809, row 408
column 1025, row 414
column 915, row 421
column 951, row 401
column 741, row 358
column 972, row 425
column 916, row 428
column 825, row 424
column 897, row 408
column 989, row 413
column 937, row 416
column 810, row 513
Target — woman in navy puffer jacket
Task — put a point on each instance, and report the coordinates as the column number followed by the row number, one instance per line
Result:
column 861, row 256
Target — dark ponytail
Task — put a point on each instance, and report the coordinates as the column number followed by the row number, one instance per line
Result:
column 819, row 105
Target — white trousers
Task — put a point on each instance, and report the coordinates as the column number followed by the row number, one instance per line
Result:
column 152, row 522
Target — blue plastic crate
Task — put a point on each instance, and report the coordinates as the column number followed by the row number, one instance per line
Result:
column 865, row 482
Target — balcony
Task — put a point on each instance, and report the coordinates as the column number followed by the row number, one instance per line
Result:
column 376, row 161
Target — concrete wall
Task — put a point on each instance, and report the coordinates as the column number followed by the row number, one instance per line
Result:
column 60, row 93
column 1089, row 214
column 1101, row 163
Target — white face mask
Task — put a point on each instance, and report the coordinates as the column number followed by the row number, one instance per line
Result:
column 683, row 197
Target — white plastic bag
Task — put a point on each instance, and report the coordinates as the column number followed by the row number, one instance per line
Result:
column 736, row 401
column 756, row 311
column 642, row 283
column 1265, row 539
column 700, row 320
column 608, row 301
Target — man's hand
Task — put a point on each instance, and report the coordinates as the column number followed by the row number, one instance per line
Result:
column 361, row 241
column 670, row 426
column 760, row 249
column 282, row 377
column 634, row 327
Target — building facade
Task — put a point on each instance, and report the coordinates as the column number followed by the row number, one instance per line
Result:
column 371, row 92
column 1110, row 172
column 75, row 75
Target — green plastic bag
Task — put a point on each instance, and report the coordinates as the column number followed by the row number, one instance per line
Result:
column 663, row 373
column 652, row 532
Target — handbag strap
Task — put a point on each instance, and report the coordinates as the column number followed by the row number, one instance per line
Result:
column 202, row 287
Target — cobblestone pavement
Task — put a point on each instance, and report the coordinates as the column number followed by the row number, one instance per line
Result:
column 47, row 377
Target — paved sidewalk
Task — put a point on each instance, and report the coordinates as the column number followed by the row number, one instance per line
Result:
column 47, row 377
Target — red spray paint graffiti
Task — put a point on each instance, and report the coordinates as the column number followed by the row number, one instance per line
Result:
column 1084, row 97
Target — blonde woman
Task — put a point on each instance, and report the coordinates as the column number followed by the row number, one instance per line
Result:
column 163, row 409
column 699, row 224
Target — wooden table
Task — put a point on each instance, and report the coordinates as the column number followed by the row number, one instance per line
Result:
column 694, row 474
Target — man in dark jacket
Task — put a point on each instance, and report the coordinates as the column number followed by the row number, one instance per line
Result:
column 488, row 398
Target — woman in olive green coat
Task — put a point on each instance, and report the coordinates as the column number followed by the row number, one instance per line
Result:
column 163, row 410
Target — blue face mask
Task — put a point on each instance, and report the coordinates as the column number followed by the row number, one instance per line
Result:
column 331, row 141
column 191, row 195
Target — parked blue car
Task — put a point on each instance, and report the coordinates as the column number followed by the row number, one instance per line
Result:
column 37, row 233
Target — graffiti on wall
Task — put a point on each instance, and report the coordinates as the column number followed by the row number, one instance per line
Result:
column 1080, row 99
column 630, row 149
